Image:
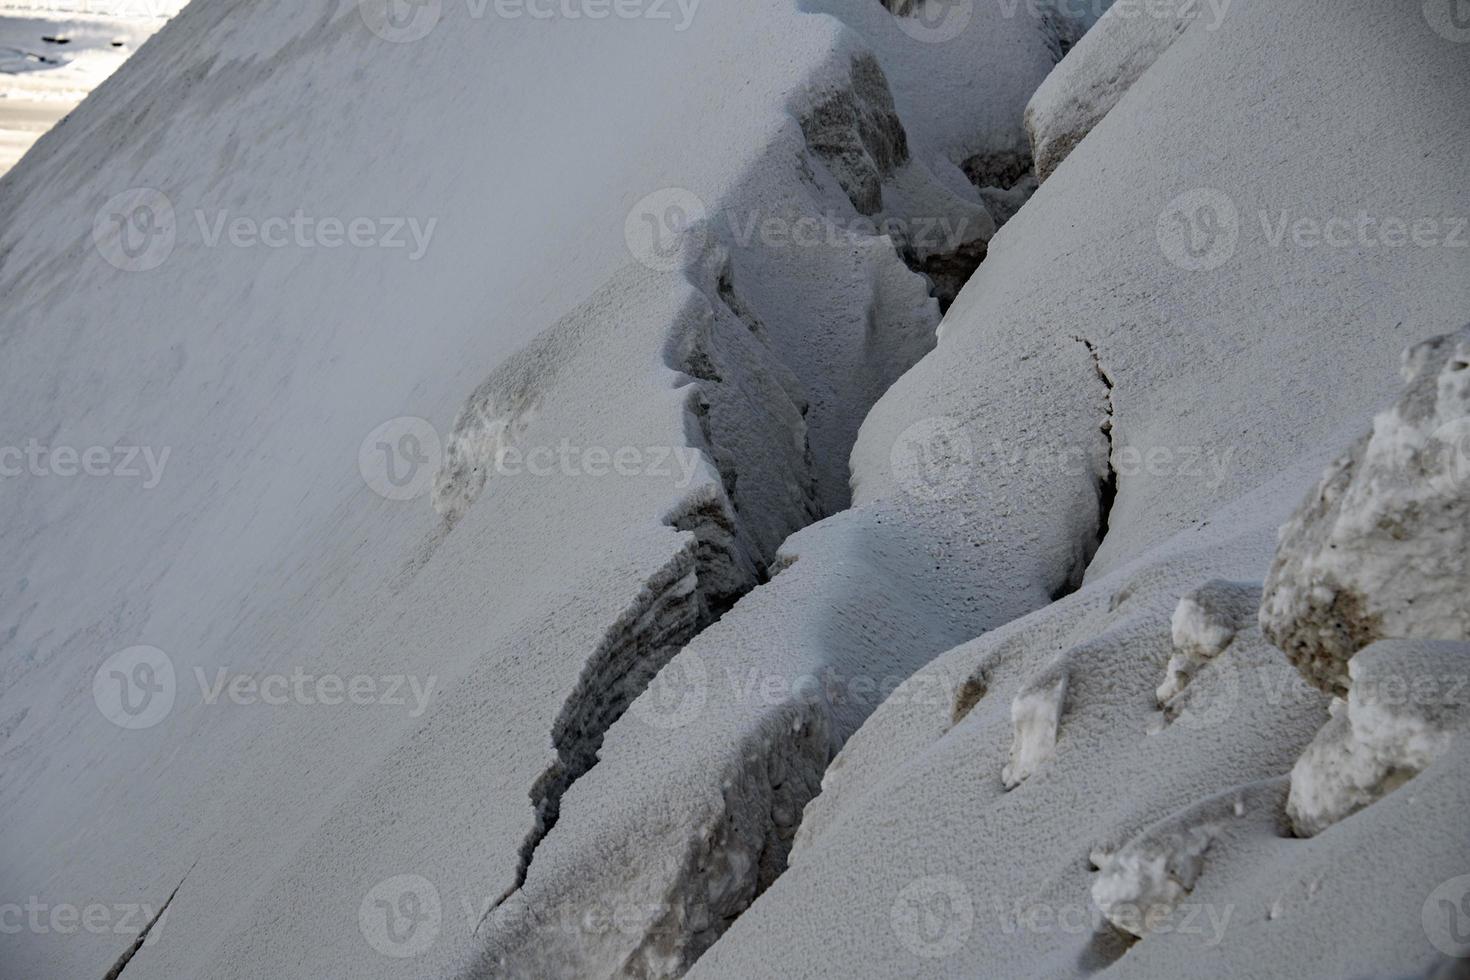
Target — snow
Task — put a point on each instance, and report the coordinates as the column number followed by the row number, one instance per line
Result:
column 727, row 583
column 1381, row 550
column 1271, row 361
column 1124, row 44
column 1204, row 623
column 1036, row 714
column 1406, row 702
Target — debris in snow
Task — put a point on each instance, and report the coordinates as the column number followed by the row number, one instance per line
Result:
column 1204, row 624
column 1036, row 715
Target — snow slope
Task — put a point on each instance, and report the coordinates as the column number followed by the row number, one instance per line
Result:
column 314, row 680
column 357, row 677
column 1235, row 369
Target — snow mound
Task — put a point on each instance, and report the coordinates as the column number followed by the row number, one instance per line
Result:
column 1381, row 548
column 1204, row 623
column 1098, row 72
column 1141, row 886
column 1406, row 703
column 1036, row 714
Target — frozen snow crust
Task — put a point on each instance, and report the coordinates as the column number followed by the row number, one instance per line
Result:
column 933, row 690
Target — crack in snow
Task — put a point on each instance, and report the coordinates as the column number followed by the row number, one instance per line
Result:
column 128, row 954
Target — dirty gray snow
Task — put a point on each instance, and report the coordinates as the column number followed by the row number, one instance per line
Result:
column 871, row 488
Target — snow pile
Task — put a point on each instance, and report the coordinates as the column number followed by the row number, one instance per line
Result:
column 1137, row 424
column 1381, row 549
column 1406, row 702
column 1204, row 623
column 1124, row 44
column 735, row 588
column 1036, row 714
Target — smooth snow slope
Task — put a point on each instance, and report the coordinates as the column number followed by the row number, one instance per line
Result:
column 1235, row 370
column 457, row 252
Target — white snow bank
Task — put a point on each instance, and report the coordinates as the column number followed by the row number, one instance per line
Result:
column 1406, row 702
column 1099, row 71
column 1225, row 364
column 1204, row 623
column 1381, row 548
column 1036, row 714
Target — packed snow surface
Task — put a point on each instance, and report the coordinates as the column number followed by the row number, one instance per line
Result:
column 541, row 526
